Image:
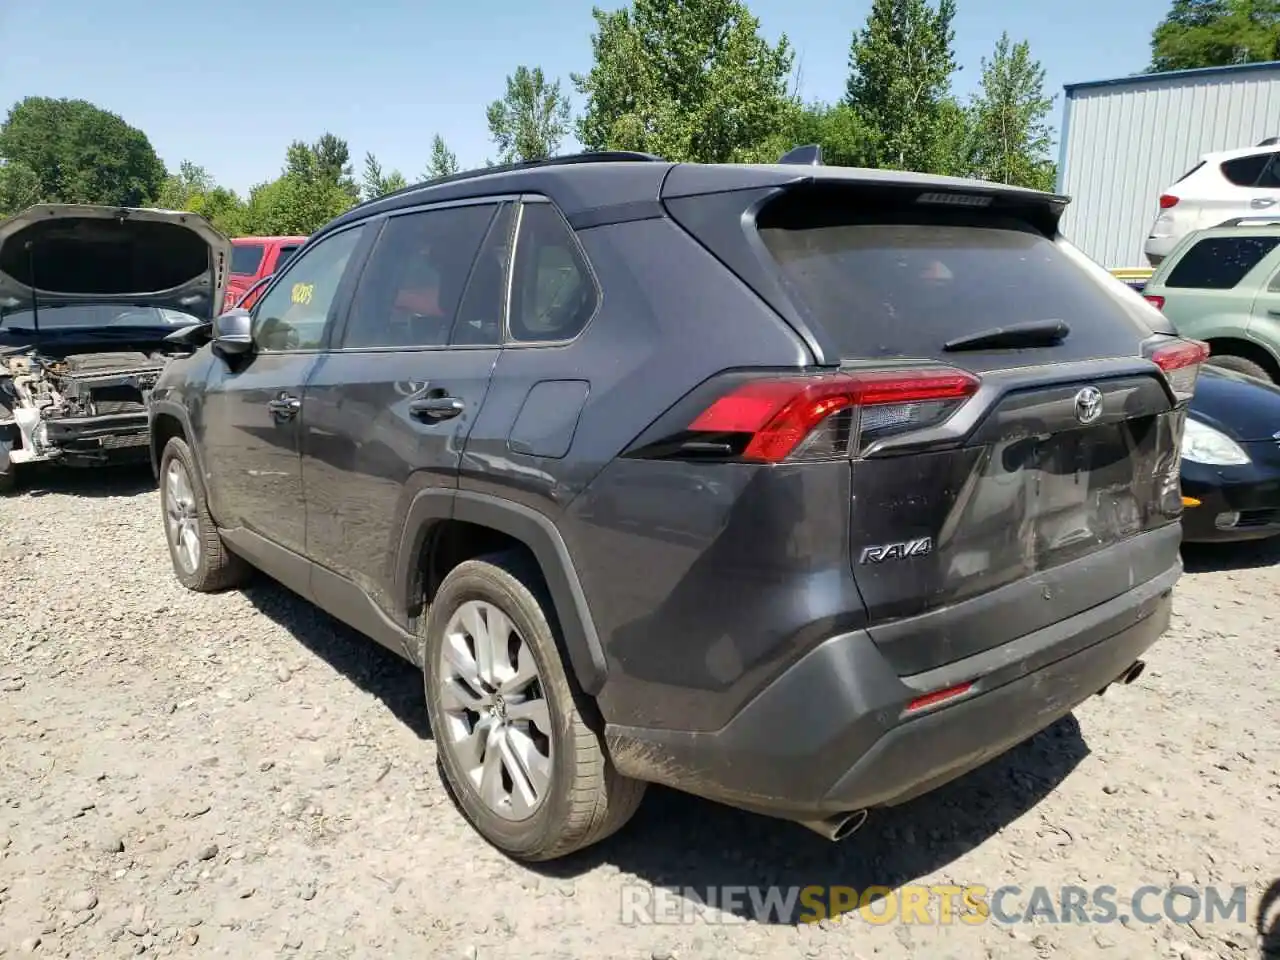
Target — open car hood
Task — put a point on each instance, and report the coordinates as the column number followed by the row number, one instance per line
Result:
column 66, row 253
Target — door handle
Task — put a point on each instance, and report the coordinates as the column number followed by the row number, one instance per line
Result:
column 1262, row 203
column 435, row 409
column 284, row 407
column 1273, row 313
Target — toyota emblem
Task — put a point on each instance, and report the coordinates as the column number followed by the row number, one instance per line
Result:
column 1088, row 404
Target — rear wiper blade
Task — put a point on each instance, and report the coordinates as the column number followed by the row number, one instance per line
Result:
column 1033, row 333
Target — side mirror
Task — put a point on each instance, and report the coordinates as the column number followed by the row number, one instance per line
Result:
column 232, row 332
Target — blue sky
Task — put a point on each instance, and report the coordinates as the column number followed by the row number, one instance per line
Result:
column 229, row 84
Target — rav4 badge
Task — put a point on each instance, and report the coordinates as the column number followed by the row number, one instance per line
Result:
column 904, row 550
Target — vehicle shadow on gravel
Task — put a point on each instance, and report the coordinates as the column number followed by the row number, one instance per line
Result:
column 1224, row 557
column 117, row 480
column 374, row 669
column 680, row 842
column 685, row 843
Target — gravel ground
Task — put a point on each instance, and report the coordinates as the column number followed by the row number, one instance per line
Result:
column 239, row 776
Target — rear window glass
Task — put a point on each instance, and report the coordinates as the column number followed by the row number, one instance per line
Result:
column 246, row 258
column 905, row 289
column 1244, row 171
column 283, row 256
column 1219, row 263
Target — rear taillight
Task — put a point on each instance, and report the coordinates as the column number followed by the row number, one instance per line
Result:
column 1181, row 361
column 1167, row 200
column 824, row 416
column 1155, row 301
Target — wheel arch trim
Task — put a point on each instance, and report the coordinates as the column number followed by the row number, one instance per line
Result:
column 538, row 533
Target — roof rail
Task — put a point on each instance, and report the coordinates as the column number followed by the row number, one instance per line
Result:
column 809, row 155
column 589, row 156
column 1250, row 221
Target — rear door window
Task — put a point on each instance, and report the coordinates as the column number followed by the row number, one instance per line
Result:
column 283, row 255
column 1219, row 263
column 409, row 292
column 903, row 289
column 246, row 258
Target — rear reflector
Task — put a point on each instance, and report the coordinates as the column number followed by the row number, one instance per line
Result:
column 938, row 696
column 1167, row 200
column 1155, row 301
column 1181, row 361
column 831, row 415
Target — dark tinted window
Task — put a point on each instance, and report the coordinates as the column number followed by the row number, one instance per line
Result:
column 1270, row 177
column 293, row 314
column 1219, row 263
column 553, row 294
column 282, row 257
column 479, row 319
column 409, row 292
column 246, row 258
column 1244, row 171
column 906, row 288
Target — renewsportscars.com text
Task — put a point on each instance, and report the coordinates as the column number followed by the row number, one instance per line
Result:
column 933, row 905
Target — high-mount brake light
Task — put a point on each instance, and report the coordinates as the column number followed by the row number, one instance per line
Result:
column 831, row 415
column 1180, row 360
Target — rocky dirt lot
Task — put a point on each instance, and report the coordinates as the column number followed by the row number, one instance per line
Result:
column 239, row 776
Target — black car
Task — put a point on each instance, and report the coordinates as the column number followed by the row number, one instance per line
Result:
column 801, row 488
column 1231, row 459
column 89, row 297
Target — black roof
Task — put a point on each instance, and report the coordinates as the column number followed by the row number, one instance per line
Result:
column 604, row 178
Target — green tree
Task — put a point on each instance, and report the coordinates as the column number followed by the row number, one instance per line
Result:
column 376, row 183
column 900, row 68
column 1215, row 33
column 846, row 140
column 689, row 80
column 531, row 121
column 178, row 189
column 443, row 162
column 81, row 153
column 292, row 205
column 19, row 187
column 327, row 161
column 1011, row 137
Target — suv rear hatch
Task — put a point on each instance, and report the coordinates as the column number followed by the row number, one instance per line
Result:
column 1010, row 411
column 61, row 254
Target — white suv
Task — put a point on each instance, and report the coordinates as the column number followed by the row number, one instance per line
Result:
column 1222, row 186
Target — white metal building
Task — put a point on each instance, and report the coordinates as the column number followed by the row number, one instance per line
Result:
column 1123, row 141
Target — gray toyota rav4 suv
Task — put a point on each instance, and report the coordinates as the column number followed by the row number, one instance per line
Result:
column 803, row 489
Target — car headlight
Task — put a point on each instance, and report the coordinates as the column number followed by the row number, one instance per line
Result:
column 1203, row 444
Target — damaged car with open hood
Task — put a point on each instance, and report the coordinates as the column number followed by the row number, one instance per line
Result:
column 94, row 302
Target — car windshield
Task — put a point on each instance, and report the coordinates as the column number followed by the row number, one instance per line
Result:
column 95, row 315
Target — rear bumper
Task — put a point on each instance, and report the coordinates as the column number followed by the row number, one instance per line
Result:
column 832, row 733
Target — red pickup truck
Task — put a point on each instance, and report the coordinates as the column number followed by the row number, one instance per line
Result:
column 253, row 258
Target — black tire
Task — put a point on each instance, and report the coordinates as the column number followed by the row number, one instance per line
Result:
column 8, row 478
column 217, row 568
column 587, row 800
column 1236, row 364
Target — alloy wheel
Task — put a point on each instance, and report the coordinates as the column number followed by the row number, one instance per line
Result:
column 180, row 518
column 496, row 717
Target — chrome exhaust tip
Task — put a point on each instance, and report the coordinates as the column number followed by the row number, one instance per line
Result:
column 1134, row 672
column 839, row 827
